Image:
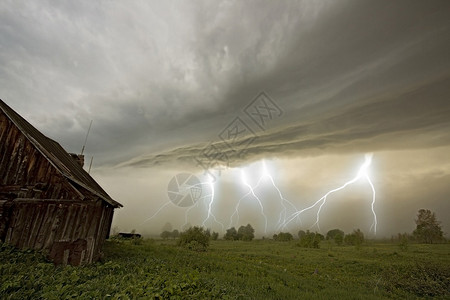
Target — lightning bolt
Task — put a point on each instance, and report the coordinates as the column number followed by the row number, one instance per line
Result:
column 236, row 209
column 210, row 214
column 244, row 181
column 283, row 213
column 362, row 173
column 265, row 174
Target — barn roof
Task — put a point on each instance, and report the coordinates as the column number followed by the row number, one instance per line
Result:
column 57, row 156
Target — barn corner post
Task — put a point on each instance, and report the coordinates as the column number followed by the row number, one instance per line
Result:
column 47, row 200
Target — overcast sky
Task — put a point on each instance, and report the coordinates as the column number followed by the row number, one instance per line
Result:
column 162, row 80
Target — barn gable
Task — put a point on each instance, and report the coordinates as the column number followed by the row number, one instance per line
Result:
column 47, row 200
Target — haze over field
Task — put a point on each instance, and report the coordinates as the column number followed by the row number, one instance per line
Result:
column 161, row 80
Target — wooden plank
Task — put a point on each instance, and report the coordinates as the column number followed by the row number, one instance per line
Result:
column 38, row 221
column 93, row 230
column 106, row 227
column 17, row 227
column 19, row 160
column 7, row 158
column 29, row 222
column 64, row 218
column 45, row 228
column 50, row 236
column 90, row 249
column 74, row 223
column 100, row 228
column 90, row 222
column 81, row 221
column 65, row 222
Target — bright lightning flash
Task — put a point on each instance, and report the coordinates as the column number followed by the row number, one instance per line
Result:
column 284, row 219
column 283, row 213
column 210, row 214
column 244, row 181
column 362, row 174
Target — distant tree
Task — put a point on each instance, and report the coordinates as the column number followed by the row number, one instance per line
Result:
column 246, row 233
column 283, row 237
column 310, row 240
column 321, row 237
column 339, row 239
column 174, row 234
column 301, row 234
column 356, row 238
column 165, row 234
column 231, row 234
column 428, row 229
column 214, row 236
column 332, row 233
column 195, row 238
column 337, row 235
column 133, row 231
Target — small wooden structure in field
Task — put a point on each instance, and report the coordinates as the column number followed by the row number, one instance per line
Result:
column 126, row 235
column 47, row 200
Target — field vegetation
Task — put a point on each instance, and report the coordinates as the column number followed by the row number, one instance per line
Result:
column 235, row 269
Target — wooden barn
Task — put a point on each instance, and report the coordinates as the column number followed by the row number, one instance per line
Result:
column 47, row 200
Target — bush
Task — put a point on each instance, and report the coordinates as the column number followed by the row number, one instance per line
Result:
column 165, row 235
column 246, row 233
column 356, row 238
column 337, row 235
column 310, row 240
column 283, row 237
column 195, row 238
column 231, row 234
column 339, row 239
column 215, row 236
column 301, row 234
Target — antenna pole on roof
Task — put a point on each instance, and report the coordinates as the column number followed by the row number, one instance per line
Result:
column 90, row 165
column 85, row 140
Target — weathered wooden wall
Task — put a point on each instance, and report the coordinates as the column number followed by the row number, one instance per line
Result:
column 52, row 224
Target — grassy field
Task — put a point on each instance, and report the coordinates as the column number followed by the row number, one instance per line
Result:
column 261, row 269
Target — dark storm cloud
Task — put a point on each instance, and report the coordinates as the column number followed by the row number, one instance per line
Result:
column 374, row 74
column 414, row 118
column 151, row 75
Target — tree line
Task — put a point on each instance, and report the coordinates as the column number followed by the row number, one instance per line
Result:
column 428, row 230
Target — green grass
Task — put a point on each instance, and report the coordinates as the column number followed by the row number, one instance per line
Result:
column 261, row 269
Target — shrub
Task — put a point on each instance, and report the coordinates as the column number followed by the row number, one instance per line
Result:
column 339, row 239
column 337, row 235
column 283, row 237
column 195, row 238
column 165, row 234
column 301, row 234
column 246, row 233
column 310, row 240
column 356, row 238
column 231, row 234
column 215, row 236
